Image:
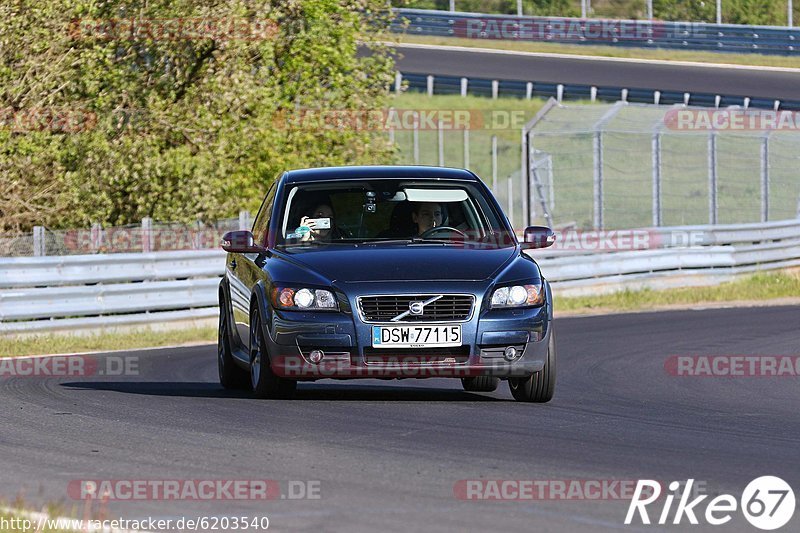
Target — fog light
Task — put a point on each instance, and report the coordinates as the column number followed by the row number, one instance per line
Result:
column 510, row 353
column 316, row 356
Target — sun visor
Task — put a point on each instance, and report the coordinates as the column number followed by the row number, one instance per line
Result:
column 436, row 195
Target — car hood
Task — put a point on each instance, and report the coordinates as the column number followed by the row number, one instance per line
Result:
column 407, row 263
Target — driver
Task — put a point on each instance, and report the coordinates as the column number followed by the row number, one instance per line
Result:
column 426, row 215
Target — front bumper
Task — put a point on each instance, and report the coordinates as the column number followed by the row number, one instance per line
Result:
column 346, row 343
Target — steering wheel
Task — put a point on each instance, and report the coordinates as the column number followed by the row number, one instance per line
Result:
column 428, row 233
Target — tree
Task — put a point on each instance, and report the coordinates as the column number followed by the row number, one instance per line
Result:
column 116, row 110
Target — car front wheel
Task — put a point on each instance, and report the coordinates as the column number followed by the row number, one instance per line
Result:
column 230, row 375
column 264, row 382
column 480, row 384
column 540, row 386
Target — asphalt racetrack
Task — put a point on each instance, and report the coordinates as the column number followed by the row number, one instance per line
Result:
column 389, row 455
column 664, row 76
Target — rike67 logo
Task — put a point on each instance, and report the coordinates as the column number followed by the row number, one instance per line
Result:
column 767, row 503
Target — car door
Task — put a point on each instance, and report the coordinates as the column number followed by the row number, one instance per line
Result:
column 244, row 270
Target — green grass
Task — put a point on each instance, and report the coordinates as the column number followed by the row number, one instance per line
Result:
column 759, row 287
column 50, row 344
column 610, row 51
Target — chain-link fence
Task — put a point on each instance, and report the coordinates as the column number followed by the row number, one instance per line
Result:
column 148, row 236
column 634, row 165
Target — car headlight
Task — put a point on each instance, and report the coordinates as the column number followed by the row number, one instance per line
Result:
column 531, row 295
column 303, row 299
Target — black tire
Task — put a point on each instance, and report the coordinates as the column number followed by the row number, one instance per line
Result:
column 480, row 383
column 264, row 382
column 230, row 375
column 540, row 386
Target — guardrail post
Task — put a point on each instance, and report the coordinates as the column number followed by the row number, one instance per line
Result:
column 593, row 93
column 464, row 83
column 657, row 97
column 598, row 180
column 430, row 85
column 440, row 135
column 712, row 178
column 39, row 248
column 657, row 179
column 495, row 88
column 244, row 220
column 765, row 177
column 147, row 235
column 559, row 92
column 398, row 82
column 624, row 95
column 466, row 147
column 686, row 97
column 528, row 90
column 494, row 163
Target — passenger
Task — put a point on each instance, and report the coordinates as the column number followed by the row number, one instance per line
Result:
column 322, row 210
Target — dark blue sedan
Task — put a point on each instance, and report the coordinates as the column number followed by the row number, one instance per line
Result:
column 389, row 273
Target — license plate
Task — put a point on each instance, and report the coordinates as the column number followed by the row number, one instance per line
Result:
column 417, row 336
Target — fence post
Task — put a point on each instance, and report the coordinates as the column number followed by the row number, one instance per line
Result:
column 712, row 178
column 511, row 200
column 466, row 147
column 657, row 179
column 39, row 248
column 244, row 220
column 398, row 82
column 464, row 83
column 452, row 5
column 440, row 135
column 528, row 90
column 415, row 137
column 519, row 8
column 524, row 180
column 495, row 89
column 494, row 163
column 598, row 180
column 147, row 235
column 96, row 236
column 430, row 85
column 765, row 178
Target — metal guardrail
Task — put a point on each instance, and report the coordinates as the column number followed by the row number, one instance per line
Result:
column 46, row 294
column 529, row 89
column 774, row 40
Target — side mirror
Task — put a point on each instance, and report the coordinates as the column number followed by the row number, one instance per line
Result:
column 240, row 242
column 538, row 237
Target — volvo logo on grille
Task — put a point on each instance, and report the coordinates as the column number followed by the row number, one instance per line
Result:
column 416, row 308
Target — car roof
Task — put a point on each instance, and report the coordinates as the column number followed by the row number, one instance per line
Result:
column 388, row 171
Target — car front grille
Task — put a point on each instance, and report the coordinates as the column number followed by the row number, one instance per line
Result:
column 448, row 308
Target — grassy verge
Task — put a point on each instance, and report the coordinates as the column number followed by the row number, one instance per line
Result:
column 610, row 51
column 757, row 288
column 47, row 344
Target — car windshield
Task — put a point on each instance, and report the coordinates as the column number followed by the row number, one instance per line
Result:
column 385, row 211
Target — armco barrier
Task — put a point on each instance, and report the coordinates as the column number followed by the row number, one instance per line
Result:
column 522, row 89
column 87, row 292
column 631, row 33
